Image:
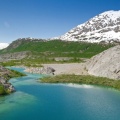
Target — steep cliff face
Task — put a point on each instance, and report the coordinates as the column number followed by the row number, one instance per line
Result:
column 106, row 64
column 103, row 27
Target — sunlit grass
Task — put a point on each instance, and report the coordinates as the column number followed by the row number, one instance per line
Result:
column 83, row 79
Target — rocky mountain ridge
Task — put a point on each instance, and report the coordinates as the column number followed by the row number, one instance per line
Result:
column 104, row 27
column 20, row 41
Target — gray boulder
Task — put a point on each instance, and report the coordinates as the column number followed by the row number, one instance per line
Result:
column 105, row 64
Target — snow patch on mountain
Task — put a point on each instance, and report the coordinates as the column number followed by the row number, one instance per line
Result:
column 103, row 27
column 3, row 45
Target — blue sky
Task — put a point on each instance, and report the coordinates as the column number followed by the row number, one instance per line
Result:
column 47, row 18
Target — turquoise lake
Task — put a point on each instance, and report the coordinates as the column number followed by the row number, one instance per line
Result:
column 37, row 101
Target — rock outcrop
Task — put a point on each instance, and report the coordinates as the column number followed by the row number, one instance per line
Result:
column 105, row 64
column 8, row 87
column 4, row 75
column 13, row 56
column 41, row 70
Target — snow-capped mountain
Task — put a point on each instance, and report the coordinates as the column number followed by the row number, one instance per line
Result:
column 103, row 27
column 3, row 45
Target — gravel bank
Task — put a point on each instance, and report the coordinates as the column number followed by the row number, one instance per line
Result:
column 71, row 68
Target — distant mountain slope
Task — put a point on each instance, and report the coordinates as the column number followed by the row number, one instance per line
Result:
column 3, row 45
column 30, row 48
column 103, row 27
column 106, row 64
column 54, row 46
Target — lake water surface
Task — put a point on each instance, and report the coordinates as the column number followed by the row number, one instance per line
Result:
column 38, row 101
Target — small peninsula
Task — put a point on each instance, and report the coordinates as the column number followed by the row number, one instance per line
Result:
column 5, row 74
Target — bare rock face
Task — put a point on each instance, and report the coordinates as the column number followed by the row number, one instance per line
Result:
column 41, row 70
column 8, row 87
column 13, row 56
column 105, row 64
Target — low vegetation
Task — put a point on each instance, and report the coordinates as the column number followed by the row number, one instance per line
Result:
column 57, row 48
column 83, row 79
column 14, row 73
column 2, row 90
column 10, row 74
column 54, row 51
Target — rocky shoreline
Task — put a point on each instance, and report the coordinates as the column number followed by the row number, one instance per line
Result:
column 57, row 69
column 8, row 87
column 40, row 70
column 5, row 85
column 105, row 64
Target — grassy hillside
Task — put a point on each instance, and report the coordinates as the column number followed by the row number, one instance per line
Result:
column 58, row 47
column 42, row 51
